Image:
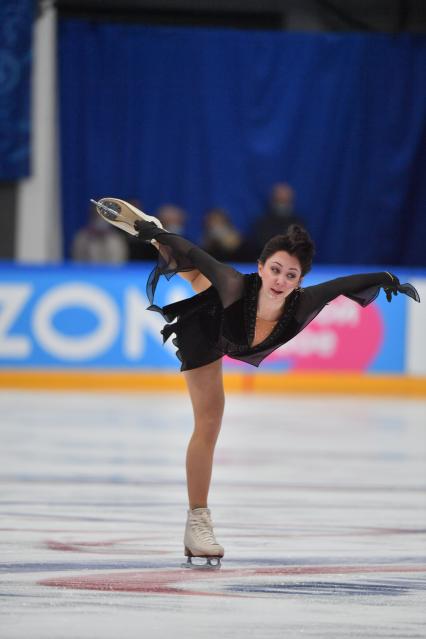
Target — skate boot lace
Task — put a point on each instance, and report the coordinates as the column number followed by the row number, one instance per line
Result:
column 201, row 526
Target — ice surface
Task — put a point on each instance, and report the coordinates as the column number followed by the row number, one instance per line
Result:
column 319, row 503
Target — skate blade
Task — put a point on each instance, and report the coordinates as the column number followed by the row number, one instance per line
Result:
column 122, row 214
column 211, row 563
column 111, row 212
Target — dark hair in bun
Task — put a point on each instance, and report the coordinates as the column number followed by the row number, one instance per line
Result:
column 296, row 242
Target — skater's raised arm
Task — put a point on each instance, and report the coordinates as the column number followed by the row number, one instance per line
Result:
column 198, row 281
column 179, row 255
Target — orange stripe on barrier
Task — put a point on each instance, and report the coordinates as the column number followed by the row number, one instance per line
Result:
column 153, row 381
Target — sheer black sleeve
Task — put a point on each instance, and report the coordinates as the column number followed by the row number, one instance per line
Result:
column 176, row 254
column 362, row 288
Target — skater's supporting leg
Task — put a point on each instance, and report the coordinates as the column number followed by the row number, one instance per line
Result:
column 205, row 385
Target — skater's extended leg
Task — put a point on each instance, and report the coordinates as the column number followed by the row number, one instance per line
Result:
column 126, row 216
column 205, row 385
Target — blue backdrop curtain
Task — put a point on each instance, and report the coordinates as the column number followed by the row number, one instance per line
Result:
column 203, row 118
column 16, row 18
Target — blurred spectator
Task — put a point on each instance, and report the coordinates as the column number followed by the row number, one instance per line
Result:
column 99, row 243
column 222, row 239
column 172, row 218
column 278, row 216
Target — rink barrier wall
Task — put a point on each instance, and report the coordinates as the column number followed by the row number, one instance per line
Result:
column 138, row 382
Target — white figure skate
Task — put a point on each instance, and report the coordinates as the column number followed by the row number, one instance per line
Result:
column 200, row 541
column 122, row 214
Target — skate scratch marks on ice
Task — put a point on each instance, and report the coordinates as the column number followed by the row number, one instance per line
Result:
column 165, row 582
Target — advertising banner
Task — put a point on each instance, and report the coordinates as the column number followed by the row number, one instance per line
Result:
column 95, row 317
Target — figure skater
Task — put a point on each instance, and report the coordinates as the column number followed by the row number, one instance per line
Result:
column 243, row 316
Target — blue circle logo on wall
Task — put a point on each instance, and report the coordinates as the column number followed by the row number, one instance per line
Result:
column 9, row 72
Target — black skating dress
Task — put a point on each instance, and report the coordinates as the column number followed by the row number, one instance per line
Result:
column 221, row 320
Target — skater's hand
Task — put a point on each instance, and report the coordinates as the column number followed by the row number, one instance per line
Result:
column 147, row 231
column 408, row 289
column 395, row 287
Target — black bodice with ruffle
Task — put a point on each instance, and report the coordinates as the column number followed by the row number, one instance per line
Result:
column 205, row 331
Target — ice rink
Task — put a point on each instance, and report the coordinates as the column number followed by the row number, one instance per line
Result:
column 319, row 503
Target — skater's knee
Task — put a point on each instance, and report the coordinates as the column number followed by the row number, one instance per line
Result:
column 208, row 427
column 210, row 412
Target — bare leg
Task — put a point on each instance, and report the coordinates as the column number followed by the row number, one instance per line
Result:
column 205, row 385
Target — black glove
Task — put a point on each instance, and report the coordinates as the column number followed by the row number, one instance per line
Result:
column 147, row 231
column 395, row 287
column 408, row 289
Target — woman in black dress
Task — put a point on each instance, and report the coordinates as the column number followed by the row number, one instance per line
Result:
column 243, row 316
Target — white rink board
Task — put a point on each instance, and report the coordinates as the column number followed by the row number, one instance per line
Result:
column 319, row 504
column 416, row 333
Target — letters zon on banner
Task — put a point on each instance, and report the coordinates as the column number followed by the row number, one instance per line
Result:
column 15, row 300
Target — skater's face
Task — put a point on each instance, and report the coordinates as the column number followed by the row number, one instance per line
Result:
column 280, row 274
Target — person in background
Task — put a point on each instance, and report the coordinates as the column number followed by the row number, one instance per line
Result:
column 222, row 239
column 173, row 218
column 98, row 243
column 278, row 216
